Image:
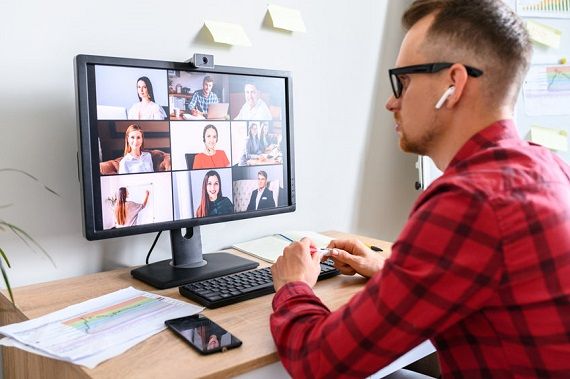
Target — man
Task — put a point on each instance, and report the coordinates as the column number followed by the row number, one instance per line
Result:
column 198, row 106
column 482, row 267
column 254, row 107
column 262, row 197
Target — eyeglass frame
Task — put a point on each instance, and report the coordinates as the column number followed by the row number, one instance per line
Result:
column 426, row 68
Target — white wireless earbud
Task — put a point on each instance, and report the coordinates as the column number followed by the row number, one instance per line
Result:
column 448, row 92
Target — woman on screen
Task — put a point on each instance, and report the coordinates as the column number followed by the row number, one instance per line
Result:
column 212, row 202
column 127, row 212
column 210, row 158
column 146, row 108
column 135, row 159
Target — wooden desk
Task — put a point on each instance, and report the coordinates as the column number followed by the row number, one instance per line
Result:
column 162, row 355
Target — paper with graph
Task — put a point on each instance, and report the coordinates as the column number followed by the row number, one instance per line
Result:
column 98, row 329
column 544, row 8
column 546, row 90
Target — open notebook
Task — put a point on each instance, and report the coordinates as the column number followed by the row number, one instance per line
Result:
column 269, row 248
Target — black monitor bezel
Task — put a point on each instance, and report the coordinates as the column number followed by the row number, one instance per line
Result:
column 88, row 163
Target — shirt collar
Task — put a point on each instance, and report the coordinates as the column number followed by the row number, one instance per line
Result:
column 488, row 137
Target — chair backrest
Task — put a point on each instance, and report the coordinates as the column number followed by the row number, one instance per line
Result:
column 190, row 160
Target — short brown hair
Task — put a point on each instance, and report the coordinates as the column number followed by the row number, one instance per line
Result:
column 486, row 31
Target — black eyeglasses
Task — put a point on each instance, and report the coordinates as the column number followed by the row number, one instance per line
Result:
column 427, row 68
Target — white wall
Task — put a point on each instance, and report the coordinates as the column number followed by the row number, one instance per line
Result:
column 350, row 173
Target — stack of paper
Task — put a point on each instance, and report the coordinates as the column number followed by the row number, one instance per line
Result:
column 91, row 332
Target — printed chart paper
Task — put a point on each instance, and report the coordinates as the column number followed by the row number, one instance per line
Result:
column 91, row 332
column 546, row 91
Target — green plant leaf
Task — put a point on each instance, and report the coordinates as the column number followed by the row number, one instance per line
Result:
column 5, row 276
column 21, row 234
column 31, row 177
column 26, row 238
column 3, row 255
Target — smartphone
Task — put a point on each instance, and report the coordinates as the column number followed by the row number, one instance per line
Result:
column 203, row 334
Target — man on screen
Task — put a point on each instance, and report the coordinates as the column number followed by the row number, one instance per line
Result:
column 262, row 197
column 198, row 106
column 482, row 266
column 254, row 107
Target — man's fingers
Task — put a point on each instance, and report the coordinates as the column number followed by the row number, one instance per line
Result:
column 343, row 256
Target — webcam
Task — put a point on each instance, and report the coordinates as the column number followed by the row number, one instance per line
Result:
column 202, row 60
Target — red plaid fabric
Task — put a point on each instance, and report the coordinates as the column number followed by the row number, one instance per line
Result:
column 482, row 268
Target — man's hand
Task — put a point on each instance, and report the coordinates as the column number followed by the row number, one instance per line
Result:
column 296, row 264
column 352, row 256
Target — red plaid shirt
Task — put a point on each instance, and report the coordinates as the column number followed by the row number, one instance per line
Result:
column 482, row 269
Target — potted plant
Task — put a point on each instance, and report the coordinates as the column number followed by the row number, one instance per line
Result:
column 6, row 226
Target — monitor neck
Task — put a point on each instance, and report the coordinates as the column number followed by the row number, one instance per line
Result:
column 187, row 248
column 188, row 264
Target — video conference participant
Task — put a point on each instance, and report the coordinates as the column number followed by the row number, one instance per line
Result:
column 482, row 266
column 266, row 140
column 254, row 107
column 135, row 160
column 146, row 108
column 210, row 158
column 212, row 201
column 262, row 197
column 127, row 212
column 198, row 106
column 254, row 146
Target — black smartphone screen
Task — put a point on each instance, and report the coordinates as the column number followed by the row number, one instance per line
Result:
column 203, row 334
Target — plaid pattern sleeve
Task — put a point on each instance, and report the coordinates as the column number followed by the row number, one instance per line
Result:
column 201, row 103
column 482, row 268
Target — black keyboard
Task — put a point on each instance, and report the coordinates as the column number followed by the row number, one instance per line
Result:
column 233, row 288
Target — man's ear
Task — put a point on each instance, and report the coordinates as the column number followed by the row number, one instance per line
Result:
column 458, row 79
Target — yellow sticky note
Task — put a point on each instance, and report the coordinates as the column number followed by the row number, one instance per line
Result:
column 225, row 32
column 544, row 34
column 286, row 18
column 553, row 139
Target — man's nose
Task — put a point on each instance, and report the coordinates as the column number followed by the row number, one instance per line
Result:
column 392, row 104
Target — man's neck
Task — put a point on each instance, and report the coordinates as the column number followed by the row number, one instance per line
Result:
column 463, row 126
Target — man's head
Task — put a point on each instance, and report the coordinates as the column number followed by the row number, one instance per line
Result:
column 261, row 180
column 207, row 85
column 486, row 34
column 251, row 94
column 489, row 51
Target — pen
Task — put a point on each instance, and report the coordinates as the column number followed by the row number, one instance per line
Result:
column 325, row 252
column 374, row 248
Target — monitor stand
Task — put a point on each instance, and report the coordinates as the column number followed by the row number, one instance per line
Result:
column 188, row 264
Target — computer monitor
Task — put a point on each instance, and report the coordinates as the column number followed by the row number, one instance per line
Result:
column 163, row 164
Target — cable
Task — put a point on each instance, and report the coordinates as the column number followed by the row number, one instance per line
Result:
column 152, row 247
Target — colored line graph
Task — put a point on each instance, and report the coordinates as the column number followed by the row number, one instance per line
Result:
column 117, row 315
column 544, row 8
column 558, row 78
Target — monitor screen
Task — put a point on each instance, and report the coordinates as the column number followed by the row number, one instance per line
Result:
column 165, row 145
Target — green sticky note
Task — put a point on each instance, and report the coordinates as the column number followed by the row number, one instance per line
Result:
column 544, row 34
column 553, row 139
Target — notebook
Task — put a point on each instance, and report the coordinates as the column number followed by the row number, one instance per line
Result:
column 269, row 248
